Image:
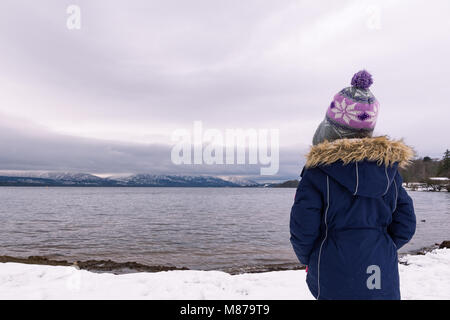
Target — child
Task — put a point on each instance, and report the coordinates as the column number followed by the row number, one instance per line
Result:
column 351, row 213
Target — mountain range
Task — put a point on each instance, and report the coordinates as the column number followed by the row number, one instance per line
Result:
column 135, row 180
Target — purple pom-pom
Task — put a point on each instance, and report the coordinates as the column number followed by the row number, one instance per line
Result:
column 362, row 80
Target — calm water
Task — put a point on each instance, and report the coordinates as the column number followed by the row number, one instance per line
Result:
column 199, row 228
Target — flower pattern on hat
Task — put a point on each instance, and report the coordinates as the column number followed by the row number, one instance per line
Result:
column 341, row 110
column 352, row 114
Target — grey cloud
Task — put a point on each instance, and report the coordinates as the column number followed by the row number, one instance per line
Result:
column 260, row 64
column 43, row 150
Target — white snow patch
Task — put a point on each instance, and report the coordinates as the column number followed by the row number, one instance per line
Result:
column 426, row 277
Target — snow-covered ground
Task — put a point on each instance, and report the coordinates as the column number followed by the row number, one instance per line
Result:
column 425, row 277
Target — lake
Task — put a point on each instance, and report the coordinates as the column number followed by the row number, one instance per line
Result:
column 198, row 228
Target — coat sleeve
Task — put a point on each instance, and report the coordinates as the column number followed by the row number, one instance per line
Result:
column 305, row 218
column 403, row 225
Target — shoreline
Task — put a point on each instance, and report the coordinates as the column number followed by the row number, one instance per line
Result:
column 422, row 276
column 114, row 267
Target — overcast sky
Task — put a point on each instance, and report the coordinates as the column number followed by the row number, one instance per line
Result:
column 106, row 98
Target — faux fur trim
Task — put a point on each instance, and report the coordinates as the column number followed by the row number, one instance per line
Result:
column 380, row 149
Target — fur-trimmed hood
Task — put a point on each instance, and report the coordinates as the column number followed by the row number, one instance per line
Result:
column 379, row 149
column 366, row 166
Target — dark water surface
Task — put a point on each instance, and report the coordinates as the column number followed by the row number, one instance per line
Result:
column 198, row 228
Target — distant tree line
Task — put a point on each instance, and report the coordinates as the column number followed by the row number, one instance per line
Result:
column 286, row 184
column 422, row 169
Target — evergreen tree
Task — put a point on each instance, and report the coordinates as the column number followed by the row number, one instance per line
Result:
column 444, row 167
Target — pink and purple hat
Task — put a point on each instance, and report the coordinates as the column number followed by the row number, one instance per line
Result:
column 355, row 107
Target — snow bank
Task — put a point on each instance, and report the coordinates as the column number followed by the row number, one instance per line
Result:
column 425, row 277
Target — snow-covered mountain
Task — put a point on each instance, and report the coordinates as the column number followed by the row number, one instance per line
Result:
column 144, row 180
column 68, row 176
column 51, row 175
column 50, row 178
column 240, row 180
column 173, row 181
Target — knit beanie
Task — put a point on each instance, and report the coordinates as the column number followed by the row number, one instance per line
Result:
column 352, row 113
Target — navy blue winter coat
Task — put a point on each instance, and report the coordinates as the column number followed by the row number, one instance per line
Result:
column 350, row 216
